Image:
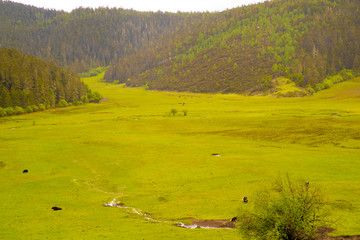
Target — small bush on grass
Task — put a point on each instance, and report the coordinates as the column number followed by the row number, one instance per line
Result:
column 28, row 109
column 35, row 108
column 173, row 112
column 18, row 110
column 63, row 103
column 284, row 210
column 42, row 107
column 78, row 103
column 9, row 111
column 2, row 112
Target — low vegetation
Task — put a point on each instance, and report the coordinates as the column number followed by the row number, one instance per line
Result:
column 284, row 210
column 127, row 148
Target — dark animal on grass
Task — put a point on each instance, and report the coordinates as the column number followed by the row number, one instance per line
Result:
column 245, row 199
column 25, row 171
column 233, row 219
column 56, row 208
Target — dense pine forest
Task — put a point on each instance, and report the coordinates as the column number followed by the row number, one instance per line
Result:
column 29, row 84
column 314, row 43
column 86, row 38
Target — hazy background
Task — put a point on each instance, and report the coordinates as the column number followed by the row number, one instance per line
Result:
column 144, row 5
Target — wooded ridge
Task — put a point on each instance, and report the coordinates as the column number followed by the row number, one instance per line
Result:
column 239, row 50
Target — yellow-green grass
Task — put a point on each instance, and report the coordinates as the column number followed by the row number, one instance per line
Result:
column 131, row 148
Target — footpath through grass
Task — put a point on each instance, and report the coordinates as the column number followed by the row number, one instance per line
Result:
column 131, row 148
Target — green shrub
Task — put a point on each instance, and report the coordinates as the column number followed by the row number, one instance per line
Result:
column 328, row 83
column 84, row 99
column 94, row 97
column 78, row 103
column 173, row 112
column 2, row 112
column 18, row 110
column 28, row 109
column 9, row 111
column 63, row 103
column 319, row 87
column 35, row 108
column 283, row 210
column 42, row 107
column 310, row 90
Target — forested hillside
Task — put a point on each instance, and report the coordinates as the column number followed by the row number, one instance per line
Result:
column 85, row 37
column 33, row 84
column 244, row 49
column 241, row 50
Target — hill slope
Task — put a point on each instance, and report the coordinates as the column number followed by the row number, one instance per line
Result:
column 85, row 37
column 243, row 49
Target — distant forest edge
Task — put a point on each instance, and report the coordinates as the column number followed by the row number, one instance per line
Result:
column 242, row 50
column 29, row 84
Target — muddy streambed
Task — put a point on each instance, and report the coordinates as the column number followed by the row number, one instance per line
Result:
column 193, row 223
column 190, row 223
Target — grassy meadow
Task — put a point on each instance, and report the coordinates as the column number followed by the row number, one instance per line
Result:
column 130, row 147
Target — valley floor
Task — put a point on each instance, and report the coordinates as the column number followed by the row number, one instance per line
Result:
column 173, row 156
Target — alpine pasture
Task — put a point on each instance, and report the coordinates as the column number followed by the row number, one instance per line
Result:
column 168, row 156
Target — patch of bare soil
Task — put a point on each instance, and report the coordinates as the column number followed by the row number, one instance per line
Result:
column 324, row 231
column 209, row 223
column 104, row 99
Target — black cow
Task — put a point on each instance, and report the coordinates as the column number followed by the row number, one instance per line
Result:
column 25, row 171
column 56, row 208
column 245, row 199
column 234, row 219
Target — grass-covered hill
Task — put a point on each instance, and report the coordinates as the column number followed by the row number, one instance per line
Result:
column 244, row 49
column 31, row 84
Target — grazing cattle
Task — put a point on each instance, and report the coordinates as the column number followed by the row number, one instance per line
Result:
column 56, row 208
column 25, row 171
column 245, row 199
column 233, row 219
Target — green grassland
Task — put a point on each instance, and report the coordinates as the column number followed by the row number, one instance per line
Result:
column 131, row 148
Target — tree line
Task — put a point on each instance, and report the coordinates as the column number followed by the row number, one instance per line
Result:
column 30, row 84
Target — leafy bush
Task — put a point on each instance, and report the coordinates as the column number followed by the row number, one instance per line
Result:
column 78, row 103
column 84, row 99
column 9, row 111
column 35, row 108
column 310, row 90
column 173, row 112
column 328, row 83
column 63, row 103
column 2, row 112
column 18, row 110
column 42, row 107
column 319, row 87
column 28, row 109
column 94, row 97
column 283, row 210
